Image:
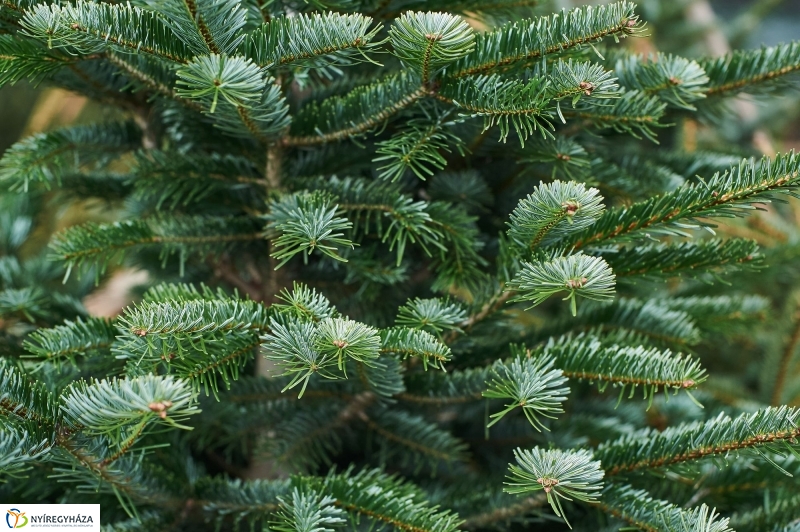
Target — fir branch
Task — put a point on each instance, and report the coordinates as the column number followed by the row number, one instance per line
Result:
column 749, row 70
column 90, row 78
column 307, row 511
column 305, row 223
column 148, row 80
column 46, row 158
column 112, row 407
column 345, row 339
column 386, row 500
column 411, row 440
column 236, row 95
column 727, row 194
column 770, row 516
column 369, row 203
column 633, row 113
column 653, row 319
column 30, row 303
column 91, row 28
column 573, row 80
column 767, row 430
column 182, row 292
column 428, row 42
column 171, row 179
column 553, row 211
column 206, row 26
column 415, row 343
column 219, row 362
column 586, row 357
column 440, row 388
column 304, row 348
column 564, row 156
column 530, row 384
column 125, row 478
column 170, row 327
column 508, row 104
column 685, row 258
column 529, row 104
column 417, row 148
column 675, row 80
column 316, row 40
column 577, row 275
column 360, row 111
column 80, row 337
column 29, row 60
column 97, row 244
column 304, row 303
column 290, row 347
column 433, row 315
column 242, row 500
column 569, row 475
column 382, row 376
column 26, row 401
column 461, row 266
column 494, row 303
column 17, row 451
column 533, row 38
column 638, row 508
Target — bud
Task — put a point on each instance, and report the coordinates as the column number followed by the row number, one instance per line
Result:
column 571, row 207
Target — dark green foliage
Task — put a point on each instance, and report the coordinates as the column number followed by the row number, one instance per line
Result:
column 89, row 28
column 772, row 430
column 290, row 217
column 751, row 70
column 429, row 42
column 570, row 476
column 81, row 337
column 50, row 158
column 366, row 226
column 642, row 511
column 727, row 195
column 28, row 60
column 675, row 80
column 528, row 40
column 312, row 39
column 98, row 244
column 530, row 384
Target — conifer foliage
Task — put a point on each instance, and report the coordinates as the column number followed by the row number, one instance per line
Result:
column 406, row 271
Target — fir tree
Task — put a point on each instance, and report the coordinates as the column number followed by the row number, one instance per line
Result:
column 406, row 267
